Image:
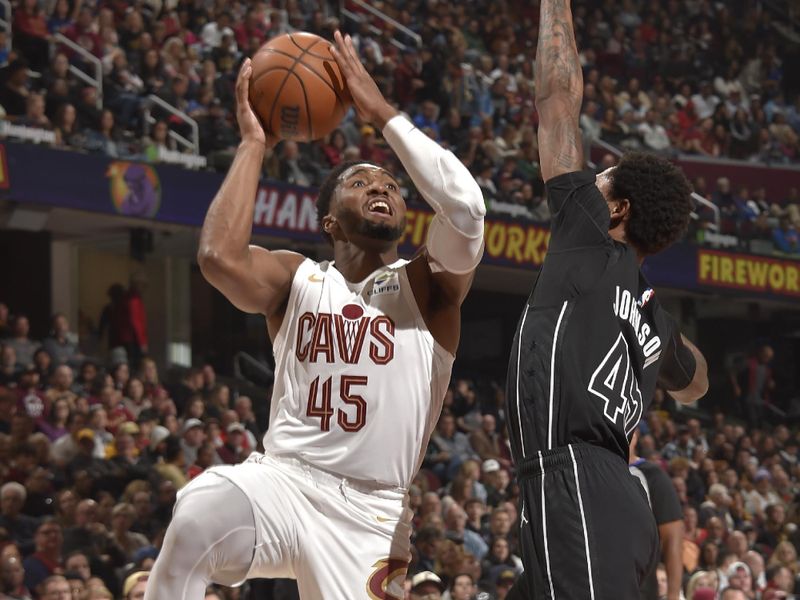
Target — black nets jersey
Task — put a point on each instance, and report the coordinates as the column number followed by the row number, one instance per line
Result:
column 592, row 337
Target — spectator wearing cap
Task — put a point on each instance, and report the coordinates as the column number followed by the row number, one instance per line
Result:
column 740, row 578
column 499, row 558
column 762, row 495
column 494, row 480
column 234, row 450
column 426, row 585
column 193, row 436
column 135, row 585
column 84, row 459
column 19, row 527
column 503, row 582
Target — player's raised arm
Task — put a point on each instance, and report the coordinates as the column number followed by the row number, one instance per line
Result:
column 254, row 279
column 455, row 237
column 559, row 91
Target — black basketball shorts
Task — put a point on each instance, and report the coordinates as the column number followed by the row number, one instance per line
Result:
column 587, row 529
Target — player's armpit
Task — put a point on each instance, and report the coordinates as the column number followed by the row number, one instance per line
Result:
column 684, row 372
column 259, row 282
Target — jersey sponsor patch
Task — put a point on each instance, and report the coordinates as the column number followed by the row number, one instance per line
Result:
column 385, row 283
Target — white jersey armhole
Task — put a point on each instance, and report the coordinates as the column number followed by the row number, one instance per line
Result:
column 303, row 270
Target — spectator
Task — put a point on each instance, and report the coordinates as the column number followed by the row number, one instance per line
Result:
column 786, row 236
column 20, row 527
column 455, row 522
column 62, row 344
column 10, row 368
column 46, row 559
column 19, row 340
column 426, row 585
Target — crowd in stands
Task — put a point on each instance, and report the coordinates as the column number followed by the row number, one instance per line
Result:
column 679, row 77
column 92, row 453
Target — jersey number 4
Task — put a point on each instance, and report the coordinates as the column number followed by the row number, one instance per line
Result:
column 319, row 405
column 614, row 382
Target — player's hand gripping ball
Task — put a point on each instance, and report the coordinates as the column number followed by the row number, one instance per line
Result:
column 297, row 89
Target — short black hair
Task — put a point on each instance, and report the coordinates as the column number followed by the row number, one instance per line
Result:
column 660, row 198
column 329, row 185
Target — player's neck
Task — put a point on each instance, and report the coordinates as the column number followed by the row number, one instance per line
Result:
column 618, row 235
column 355, row 263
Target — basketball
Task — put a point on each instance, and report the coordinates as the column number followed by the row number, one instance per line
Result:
column 296, row 87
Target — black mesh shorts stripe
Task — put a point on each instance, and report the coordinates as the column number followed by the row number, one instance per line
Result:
column 587, row 529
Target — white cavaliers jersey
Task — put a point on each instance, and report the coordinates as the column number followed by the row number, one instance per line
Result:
column 359, row 379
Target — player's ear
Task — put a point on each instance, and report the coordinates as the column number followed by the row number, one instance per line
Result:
column 620, row 211
column 331, row 226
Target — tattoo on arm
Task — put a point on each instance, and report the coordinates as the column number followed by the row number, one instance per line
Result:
column 559, row 90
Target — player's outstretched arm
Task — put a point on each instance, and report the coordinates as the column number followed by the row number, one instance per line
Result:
column 254, row 279
column 559, row 91
column 455, row 238
column 684, row 372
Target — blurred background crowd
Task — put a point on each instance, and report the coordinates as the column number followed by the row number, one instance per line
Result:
column 94, row 449
column 684, row 77
column 93, row 452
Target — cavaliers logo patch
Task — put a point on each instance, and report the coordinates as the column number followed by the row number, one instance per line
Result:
column 386, row 581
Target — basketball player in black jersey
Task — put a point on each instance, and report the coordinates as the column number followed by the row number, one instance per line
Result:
column 591, row 345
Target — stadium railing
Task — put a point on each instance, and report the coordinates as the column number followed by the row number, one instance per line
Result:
column 96, row 80
column 354, row 16
column 193, row 144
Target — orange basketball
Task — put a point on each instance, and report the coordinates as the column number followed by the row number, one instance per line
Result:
column 296, row 87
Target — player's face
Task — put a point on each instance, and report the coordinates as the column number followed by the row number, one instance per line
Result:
column 369, row 204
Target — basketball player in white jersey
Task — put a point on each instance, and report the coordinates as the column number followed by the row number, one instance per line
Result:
column 363, row 348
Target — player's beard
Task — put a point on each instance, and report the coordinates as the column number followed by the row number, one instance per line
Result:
column 381, row 231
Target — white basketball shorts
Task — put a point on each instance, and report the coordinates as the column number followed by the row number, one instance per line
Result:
column 339, row 539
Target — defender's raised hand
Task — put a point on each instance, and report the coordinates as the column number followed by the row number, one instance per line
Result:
column 370, row 104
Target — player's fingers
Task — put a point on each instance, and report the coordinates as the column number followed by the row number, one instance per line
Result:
column 351, row 51
column 243, row 80
column 340, row 51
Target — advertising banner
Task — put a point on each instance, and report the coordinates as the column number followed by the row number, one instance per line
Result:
column 40, row 175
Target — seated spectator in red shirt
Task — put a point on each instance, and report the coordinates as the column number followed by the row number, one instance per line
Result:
column 252, row 26
column 83, row 33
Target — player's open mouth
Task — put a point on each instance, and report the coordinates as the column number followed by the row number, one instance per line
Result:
column 380, row 207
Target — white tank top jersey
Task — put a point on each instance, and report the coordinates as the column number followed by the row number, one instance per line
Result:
column 359, row 379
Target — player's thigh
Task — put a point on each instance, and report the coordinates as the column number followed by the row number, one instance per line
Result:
column 358, row 551
column 624, row 536
column 277, row 507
